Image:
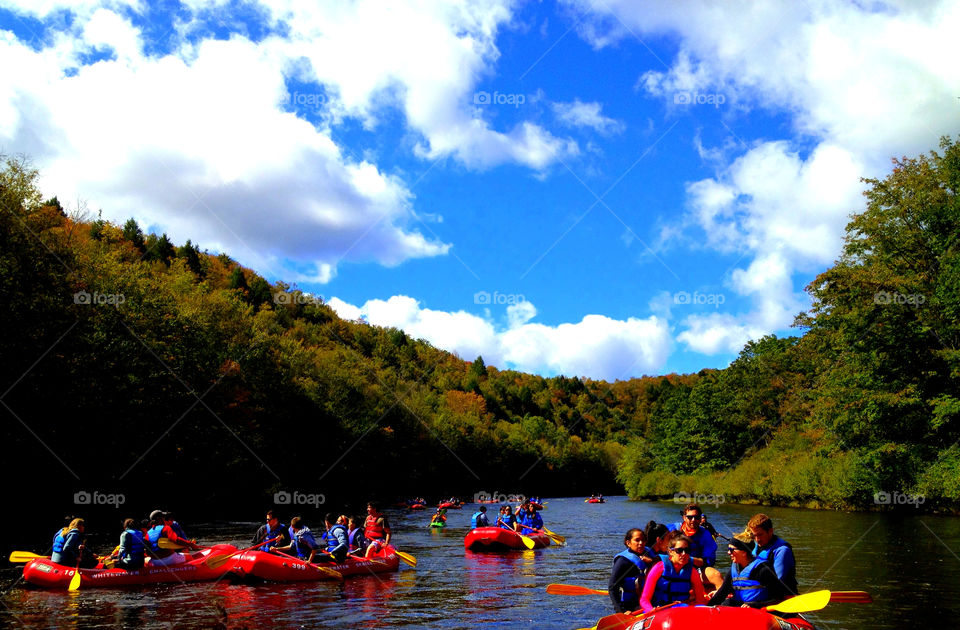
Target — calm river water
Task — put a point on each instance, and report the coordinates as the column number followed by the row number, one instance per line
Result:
column 909, row 564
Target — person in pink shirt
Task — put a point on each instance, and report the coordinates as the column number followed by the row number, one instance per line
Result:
column 674, row 579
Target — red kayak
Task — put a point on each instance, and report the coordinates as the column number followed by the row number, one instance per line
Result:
column 274, row 568
column 700, row 617
column 594, row 501
column 418, row 506
column 43, row 572
column 500, row 539
column 450, row 506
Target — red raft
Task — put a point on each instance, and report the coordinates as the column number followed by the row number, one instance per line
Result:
column 700, row 617
column 43, row 572
column 258, row 565
column 500, row 539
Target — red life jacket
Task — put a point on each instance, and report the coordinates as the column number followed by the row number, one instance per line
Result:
column 372, row 529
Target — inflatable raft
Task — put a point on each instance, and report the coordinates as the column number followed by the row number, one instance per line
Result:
column 500, row 539
column 259, row 565
column 701, row 617
column 43, row 572
column 594, row 500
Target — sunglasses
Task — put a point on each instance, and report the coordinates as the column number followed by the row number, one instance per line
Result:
column 680, row 550
column 732, row 549
column 691, row 517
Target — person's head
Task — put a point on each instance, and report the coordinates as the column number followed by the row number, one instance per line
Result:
column 740, row 550
column 296, row 523
column 762, row 528
column 373, row 508
column 167, row 517
column 77, row 524
column 635, row 540
column 128, row 523
column 679, row 549
column 692, row 514
column 483, row 508
column 145, row 524
column 271, row 518
column 156, row 517
column 330, row 519
column 354, row 522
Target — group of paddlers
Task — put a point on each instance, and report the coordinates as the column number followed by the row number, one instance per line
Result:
column 662, row 565
column 525, row 517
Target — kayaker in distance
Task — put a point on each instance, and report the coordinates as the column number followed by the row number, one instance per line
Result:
column 479, row 518
column 440, row 518
column 131, row 553
column 271, row 529
column 358, row 543
column 336, row 538
column 629, row 568
column 751, row 582
column 673, row 579
column 302, row 543
column 774, row 550
column 702, row 545
column 72, row 547
column 376, row 529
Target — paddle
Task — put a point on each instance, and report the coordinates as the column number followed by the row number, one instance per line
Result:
column 75, row 580
column 215, row 562
column 166, row 543
column 24, row 556
column 532, row 543
column 807, row 602
column 406, row 557
column 330, row 572
column 851, row 597
column 572, row 589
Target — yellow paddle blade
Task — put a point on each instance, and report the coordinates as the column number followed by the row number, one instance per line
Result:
column 215, row 562
column 406, row 557
column 572, row 589
column 166, row 543
column 24, row 556
column 560, row 540
column 808, row 602
column 334, row 574
column 75, row 580
column 528, row 542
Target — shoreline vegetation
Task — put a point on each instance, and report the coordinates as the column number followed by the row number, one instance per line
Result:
column 171, row 366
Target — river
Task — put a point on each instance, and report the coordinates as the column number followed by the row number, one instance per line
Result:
column 909, row 563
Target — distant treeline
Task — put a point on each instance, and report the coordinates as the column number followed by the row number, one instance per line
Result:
column 186, row 381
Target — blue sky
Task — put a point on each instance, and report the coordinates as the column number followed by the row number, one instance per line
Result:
column 603, row 189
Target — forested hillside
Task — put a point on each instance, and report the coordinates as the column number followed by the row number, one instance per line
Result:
column 133, row 365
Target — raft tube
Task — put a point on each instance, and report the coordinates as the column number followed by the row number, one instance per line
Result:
column 260, row 565
column 719, row 618
column 500, row 539
column 42, row 572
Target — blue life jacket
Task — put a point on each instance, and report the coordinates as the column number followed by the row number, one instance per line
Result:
column 745, row 589
column 789, row 578
column 175, row 526
column 58, row 540
column 507, row 521
column 628, row 591
column 673, row 585
column 303, row 542
column 135, row 548
column 153, row 536
column 333, row 541
column 273, row 533
column 475, row 520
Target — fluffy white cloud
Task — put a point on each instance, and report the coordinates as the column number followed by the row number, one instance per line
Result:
column 865, row 81
column 196, row 144
column 580, row 114
column 597, row 346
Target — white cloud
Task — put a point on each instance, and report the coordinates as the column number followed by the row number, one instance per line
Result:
column 597, row 346
column 197, row 145
column 580, row 114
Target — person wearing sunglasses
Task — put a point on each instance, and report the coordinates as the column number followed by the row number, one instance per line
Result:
column 702, row 545
column 751, row 582
column 629, row 568
column 673, row 579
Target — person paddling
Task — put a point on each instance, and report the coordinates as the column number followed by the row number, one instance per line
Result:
column 751, row 582
column 674, row 579
column 376, row 529
column 506, row 519
column 336, row 539
column 302, row 543
column 530, row 519
column 273, row 528
column 440, row 518
column 479, row 518
column 774, row 550
column 131, row 553
column 158, row 555
column 629, row 568
column 702, row 545
column 355, row 538
column 73, row 548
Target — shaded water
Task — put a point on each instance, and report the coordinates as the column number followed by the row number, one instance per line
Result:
column 908, row 563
